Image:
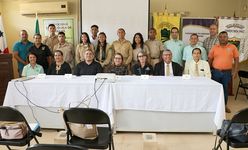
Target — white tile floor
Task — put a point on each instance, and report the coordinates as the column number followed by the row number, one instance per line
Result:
column 166, row 141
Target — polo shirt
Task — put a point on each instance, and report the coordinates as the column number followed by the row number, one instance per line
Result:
column 22, row 50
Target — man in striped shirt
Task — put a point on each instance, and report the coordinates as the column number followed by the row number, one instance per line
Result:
column 212, row 40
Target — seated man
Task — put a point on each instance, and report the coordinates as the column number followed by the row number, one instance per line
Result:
column 197, row 67
column 166, row 67
column 89, row 66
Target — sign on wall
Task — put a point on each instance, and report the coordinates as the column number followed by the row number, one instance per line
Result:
column 64, row 25
column 200, row 26
column 237, row 30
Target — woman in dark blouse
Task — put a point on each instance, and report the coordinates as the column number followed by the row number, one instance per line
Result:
column 59, row 67
column 142, row 67
column 118, row 66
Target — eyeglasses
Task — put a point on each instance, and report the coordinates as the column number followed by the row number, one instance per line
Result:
column 117, row 58
column 141, row 56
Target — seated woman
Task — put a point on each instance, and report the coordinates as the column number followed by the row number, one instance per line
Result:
column 32, row 68
column 142, row 67
column 103, row 51
column 59, row 67
column 117, row 66
column 197, row 67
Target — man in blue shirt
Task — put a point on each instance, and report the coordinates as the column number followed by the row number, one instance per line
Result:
column 187, row 51
column 176, row 46
column 20, row 50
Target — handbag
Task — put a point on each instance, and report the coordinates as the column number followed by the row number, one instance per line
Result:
column 237, row 131
column 84, row 131
column 13, row 130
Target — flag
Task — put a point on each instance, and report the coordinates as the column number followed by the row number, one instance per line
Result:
column 37, row 27
column 3, row 42
column 163, row 22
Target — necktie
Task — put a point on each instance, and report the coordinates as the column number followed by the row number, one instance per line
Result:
column 196, row 70
column 167, row 70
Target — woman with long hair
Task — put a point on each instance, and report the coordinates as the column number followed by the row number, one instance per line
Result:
column 103, row 51
column 138, row 45
column 82, row 47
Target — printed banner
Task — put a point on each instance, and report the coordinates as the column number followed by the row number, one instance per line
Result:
column 200, row 26
column 163, row 22
column 237, row 30
column 64, row 25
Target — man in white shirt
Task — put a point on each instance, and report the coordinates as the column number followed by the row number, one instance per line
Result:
column 94, row 29
column 197, row 67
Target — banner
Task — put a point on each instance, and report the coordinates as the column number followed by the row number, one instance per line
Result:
column 163, row 22
column 200, row 26
column 62, row 25
column 3, row 42
column 237, row 29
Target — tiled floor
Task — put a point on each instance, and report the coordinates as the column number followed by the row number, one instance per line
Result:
column 166, row 141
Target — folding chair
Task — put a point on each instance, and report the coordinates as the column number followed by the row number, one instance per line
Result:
column 89, row 116
column 242, row 75
column 13, row 115
column 239, row 117
column 54, row 147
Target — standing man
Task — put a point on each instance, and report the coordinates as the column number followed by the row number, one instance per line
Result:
column 124, row 47
column 66, row 48
column 212, row 40
column 221, row 58
column 167, row 67
column 94, row 29
column 52, row 39
column 20, row 50
column 155, row 46
column 42, row 51
column 176, row 46
column 187, row 51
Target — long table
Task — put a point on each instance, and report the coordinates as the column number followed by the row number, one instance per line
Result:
column 159, row 104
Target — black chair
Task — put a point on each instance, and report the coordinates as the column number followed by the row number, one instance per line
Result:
column 54, row 147
column 89, row 116
column 242, row 75
column 239, row 117
column 11, row 114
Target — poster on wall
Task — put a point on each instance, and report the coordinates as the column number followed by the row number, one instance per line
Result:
column 200, row 26
column 163, row 22
column 64, row 25
column 237, row 30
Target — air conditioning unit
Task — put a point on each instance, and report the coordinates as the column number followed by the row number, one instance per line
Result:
column 44, row 8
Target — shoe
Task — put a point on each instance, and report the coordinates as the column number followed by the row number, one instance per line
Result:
column 228, row 110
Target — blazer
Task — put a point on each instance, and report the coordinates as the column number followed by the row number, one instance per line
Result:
column 159, row 69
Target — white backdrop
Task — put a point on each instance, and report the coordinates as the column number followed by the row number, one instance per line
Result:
column 109, row 15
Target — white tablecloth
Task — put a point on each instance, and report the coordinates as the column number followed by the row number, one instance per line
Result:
column 169, row 94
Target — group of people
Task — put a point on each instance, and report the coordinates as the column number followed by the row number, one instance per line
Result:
column 56, row 56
